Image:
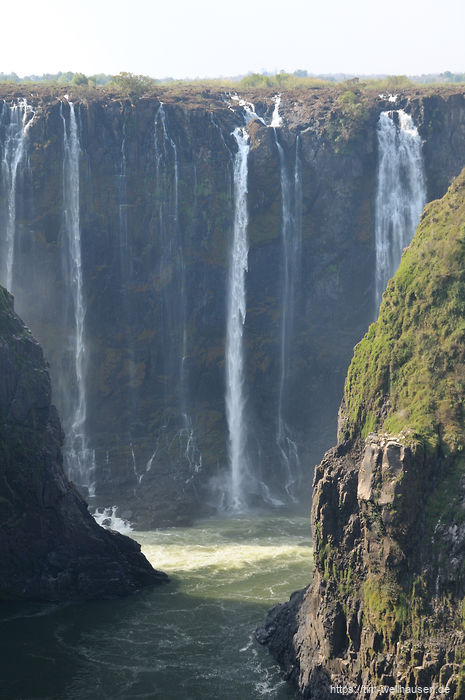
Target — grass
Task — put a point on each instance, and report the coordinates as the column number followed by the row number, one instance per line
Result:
column 408, row 373
column 127, row 85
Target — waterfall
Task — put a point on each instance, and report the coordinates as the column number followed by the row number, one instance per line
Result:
column 276, row 120
column 79, row 459
column 126, row 269
column 298, row 193
column 15, row 121
column 167, row 173
column 162, row 153
column 236, row 310
column 123, row 205
column 248, row 109
column 171, row 252
column 291, row 192
column 401, row 193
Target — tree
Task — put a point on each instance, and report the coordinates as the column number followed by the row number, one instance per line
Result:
column 80, row 79
column 131, row 85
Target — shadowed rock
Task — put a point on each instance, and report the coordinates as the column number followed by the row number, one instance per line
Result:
column 51, row 548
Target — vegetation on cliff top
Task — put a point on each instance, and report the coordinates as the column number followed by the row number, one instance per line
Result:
column 408, row 373
column 135, row 86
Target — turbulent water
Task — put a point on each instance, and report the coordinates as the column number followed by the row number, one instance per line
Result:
column 401, row 192
column 191, row 639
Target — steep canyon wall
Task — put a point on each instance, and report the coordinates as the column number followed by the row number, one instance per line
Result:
column 384, row 611
column 153, row 222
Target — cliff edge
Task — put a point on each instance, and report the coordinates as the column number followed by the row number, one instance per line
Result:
column 385, row 609
column 51, row 548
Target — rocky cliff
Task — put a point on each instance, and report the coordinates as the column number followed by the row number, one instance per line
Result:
column 154, row 206
column 386, row 604
column 51, row 548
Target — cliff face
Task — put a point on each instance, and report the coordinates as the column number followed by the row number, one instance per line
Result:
column 156, row 206
column 51, row 548
column 385, row 607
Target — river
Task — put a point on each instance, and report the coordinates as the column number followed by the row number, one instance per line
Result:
column 189, row 640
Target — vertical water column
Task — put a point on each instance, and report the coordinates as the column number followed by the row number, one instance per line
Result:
column 276, row 120
column 298, row 196
column 123, row 214
column 79, row 459
column 401, row 193
column 171, row 253
column 236, row 311
column 125, row 255
column 162, row 159
column 172, row 256
column 291, row 200
column 15, row 121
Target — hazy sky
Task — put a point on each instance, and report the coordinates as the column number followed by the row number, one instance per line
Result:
column 178, row 38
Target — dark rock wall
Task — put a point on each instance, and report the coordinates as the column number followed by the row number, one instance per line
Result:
column 51, row 548
column 155, row 277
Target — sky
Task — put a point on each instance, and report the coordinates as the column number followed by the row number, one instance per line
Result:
column 208, row 38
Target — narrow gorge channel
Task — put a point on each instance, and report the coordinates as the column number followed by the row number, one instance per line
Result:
column 192, row 638
column 198, row 267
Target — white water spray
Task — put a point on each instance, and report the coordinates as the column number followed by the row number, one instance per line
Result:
column 248, row 107
column 79, row 458
column 161, row 152
column 276, row 120
column 401, row 193
column 123, row 206
column 108, row 518
column 236, row 311
column 16, row 120
column 166, row 155
column 290, row 238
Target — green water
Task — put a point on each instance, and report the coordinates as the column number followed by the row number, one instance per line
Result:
column 189, row 640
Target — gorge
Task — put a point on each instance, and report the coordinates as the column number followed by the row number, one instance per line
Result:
column 198, row 266
column 385, row 606
column 118, row 225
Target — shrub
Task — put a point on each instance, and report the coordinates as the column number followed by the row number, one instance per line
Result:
column 133, row 86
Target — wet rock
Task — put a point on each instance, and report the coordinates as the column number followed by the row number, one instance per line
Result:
column 51, row 548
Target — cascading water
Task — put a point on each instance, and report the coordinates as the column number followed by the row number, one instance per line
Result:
column 401, row 193
column 298, row 193
column 248, row 108
column 109, row 518
column 79, row 459
column 167, row 174
column 236, row 311
column 125, row 255
column 291, row 197
column 15, row 121
column 276, row 120
column 123, row 214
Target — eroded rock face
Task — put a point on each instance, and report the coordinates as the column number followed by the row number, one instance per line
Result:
column 385, row 607
column 51, row 548
column 156, row 213
column 347, row 628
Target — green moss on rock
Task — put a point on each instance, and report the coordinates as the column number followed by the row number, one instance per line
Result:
column 408, row 371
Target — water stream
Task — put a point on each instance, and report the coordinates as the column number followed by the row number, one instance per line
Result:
column 79, row 458
column 291, row 200
column 236, row 311
column 15, row 120
column 191, row 639
column 401, row 193
column 172, row 266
